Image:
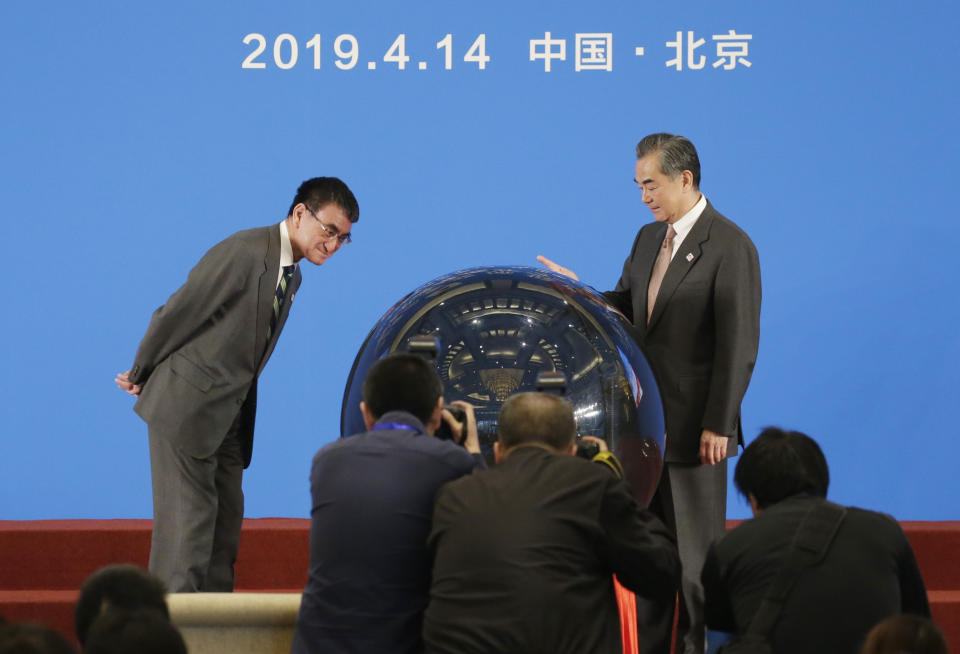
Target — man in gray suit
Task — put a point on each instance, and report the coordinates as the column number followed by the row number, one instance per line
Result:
column 691, row 287
column 195, row 377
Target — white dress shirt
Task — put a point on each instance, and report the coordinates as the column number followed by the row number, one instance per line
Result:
column 286, row 250
column 683, row 226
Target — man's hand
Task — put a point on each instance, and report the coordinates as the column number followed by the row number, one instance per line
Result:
column 557, row 268
column 713, row 447
column 599, row 442
column 123, row 382
column 465, row 435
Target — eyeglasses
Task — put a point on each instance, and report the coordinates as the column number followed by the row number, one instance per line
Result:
column 331, row 232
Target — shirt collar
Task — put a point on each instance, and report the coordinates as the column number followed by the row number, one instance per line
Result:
column 286, row 250
column 683, row 226
column 402, row 417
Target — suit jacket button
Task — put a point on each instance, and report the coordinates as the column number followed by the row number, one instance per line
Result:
column 239, row 401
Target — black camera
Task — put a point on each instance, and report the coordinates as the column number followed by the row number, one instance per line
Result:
column 427, row 347
column 444, row 432
column 587, row 450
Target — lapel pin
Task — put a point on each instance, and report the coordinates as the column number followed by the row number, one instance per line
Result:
column 689, row 256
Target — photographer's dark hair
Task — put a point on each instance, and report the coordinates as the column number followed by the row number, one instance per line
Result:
column 402, row 382
column 536, row 418
column 779, row 464
column 318, row 192
column 676, row 154
column 122, row 587
column 27, row 638
column 905, row 633
column 134, row 632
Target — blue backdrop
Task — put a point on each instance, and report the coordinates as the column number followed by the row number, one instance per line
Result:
column 133, row 138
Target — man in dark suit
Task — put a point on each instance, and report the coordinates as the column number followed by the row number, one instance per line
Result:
column 195, row 377
column 868, row 572
column 691, row 287
column 525, row 553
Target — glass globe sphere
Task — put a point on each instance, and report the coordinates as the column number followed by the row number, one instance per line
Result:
column 499, row 328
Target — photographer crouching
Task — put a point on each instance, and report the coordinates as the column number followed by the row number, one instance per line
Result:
column 372, row 498
column 525, row 552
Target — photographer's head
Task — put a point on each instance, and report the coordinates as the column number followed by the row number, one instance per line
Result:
column 120, row 587
column 142, row 631
column 30, row 638
column 896, row 634
column 403, row 382
column 540, row 419
column 779, row 464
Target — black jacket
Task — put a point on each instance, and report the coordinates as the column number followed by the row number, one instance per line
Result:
column 525, row 553
column 868, row 574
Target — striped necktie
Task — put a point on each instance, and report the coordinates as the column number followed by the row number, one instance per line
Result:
column 279, row 296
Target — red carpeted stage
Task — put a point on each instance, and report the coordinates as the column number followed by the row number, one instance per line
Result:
column 43, row 563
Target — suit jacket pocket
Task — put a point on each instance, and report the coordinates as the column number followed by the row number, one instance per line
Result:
column 191, row 372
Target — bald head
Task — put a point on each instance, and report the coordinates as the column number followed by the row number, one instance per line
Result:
column 538, row 418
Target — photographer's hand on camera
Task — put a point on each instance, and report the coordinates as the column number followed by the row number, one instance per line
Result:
column 464, row 434
column 599, row 442
column 596, row 450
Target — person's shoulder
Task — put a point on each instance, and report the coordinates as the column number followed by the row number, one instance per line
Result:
column 346, row 445
column 334, row 447
column 447, row 452
column 421, row 447
column 581, row 466
column 649, row 228
column 254, row 234
column 745, row 532
column 466, row 484
column 780, row 518
column 867, row 519
column 724, row 227
column 865, row 530
column 549, row 465
column 255, row 239
column 248, row 242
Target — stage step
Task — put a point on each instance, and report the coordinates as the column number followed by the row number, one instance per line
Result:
column 60, row 554
column 43, row 563
column 274, row 552
column 235, row 623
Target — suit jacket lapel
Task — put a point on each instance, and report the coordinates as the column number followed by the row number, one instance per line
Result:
column 265, row 293
column 686, row 257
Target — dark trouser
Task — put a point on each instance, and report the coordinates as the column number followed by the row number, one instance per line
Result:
column 692, row 500
column 197, row 514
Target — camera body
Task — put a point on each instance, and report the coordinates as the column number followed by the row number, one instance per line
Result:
column 444, row 432
column 587, row 450
column 427, row 347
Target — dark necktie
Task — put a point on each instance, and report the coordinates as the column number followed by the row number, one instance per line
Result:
column 660, row 269
column 279, row 296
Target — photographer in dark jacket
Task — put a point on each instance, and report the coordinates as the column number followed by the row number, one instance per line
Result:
column 868, row 573
column 372, row 498
column 525, row 552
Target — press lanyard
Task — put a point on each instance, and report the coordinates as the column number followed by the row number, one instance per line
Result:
column 380, row 426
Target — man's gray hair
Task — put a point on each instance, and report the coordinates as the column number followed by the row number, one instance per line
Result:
column 536, row 418
column 676, row 153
